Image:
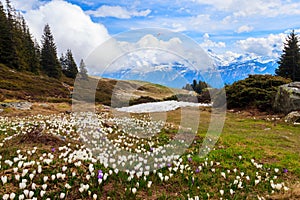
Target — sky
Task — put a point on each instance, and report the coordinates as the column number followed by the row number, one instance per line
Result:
column 229, row 28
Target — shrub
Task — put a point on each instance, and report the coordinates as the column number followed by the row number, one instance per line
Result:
column 256, row 91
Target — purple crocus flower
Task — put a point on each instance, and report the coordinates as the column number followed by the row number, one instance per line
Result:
column 169, row 165
column 285, row 170
column 190, row 159
column 197, row 170
column 100, row 174
column 53, row 149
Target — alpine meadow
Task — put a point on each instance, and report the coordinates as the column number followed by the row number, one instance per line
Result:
column 149, row 100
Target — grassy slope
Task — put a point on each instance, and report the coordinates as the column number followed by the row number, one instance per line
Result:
column 272, row 142
column 23, row 86
column 26, row 86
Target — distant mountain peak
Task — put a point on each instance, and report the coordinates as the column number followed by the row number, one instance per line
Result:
column 231, row 66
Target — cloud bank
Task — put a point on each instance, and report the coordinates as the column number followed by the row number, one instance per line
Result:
column 117, row 12
column 70, row 26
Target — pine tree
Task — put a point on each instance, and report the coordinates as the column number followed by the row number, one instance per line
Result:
column 16, row 45
column 82, row 70
column 69, row 67
column 32, row 54
column 49, row 62
column 7, row 48
column 289, row 63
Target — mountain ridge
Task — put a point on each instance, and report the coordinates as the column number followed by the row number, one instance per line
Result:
column 178, row 75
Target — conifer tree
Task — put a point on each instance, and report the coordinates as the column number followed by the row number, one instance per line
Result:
column 17, row 49
column 289, row 63
column 69, row 67
column 82, row 70
column 49, row 62
column 7, row 48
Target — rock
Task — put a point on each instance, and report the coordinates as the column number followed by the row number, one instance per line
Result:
column 44, row 105
column 287, row 98
column 68, row 112
column 293, row 117
column 109, row 124
column 18, row 105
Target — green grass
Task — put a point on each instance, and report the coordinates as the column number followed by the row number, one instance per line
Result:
column 272, row 144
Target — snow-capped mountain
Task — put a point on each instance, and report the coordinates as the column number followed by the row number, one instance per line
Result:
column 177, row 75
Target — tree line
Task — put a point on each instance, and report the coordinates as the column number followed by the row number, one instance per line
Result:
column 20, row 51
column 198, row 87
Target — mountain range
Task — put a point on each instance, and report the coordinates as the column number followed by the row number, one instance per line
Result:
column 177, row 74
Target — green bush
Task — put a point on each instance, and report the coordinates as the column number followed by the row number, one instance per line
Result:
column 256, row 91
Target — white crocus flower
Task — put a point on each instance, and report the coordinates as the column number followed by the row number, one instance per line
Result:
column 222, row 192
column 149, row 184
column 44, row 186
column 33, row 186
column 31, row 176
column 45, row 178
column 81, row 189
column 94, row 196
column 17, row 177
column 62, row 195
column 21, row 197
column 26, row 192
column 64, row 168
column 278, row 186
column 30, row 195
column 12, row 195
column 133, row 190
column 5, row 197
column 223, row 175
column 42, row 193
column 22, row 185
column 68, row 186
column 256, row 182
column 4, row 179
column 15, row 169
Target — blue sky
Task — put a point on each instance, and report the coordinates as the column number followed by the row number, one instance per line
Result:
column 227, row 27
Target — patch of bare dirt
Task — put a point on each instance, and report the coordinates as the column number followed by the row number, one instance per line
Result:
column 292, row 194
column 37, row 136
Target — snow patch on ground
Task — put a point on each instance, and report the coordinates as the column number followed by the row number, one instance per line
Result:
column 163, row 106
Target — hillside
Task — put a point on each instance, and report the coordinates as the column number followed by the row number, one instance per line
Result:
column 26, row 86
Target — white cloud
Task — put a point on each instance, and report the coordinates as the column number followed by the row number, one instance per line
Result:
column 207, row 44
column 117, row 12
column 163, row 48
column 70, row 26
column 25, row 5
column 269, row 46
column 242, row 8
column 244, row 28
